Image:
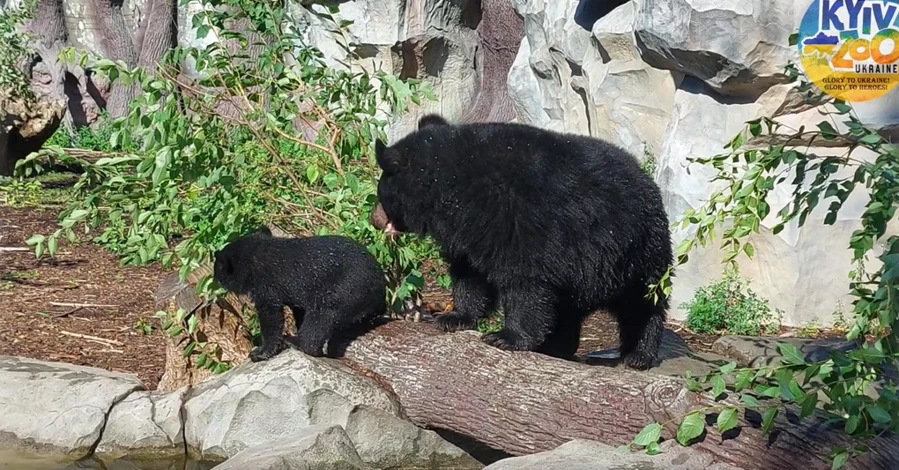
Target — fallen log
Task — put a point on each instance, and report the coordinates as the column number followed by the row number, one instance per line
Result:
column 523, row 403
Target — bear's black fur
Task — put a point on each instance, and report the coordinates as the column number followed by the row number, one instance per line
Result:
column 550, row 226
column 330, row 283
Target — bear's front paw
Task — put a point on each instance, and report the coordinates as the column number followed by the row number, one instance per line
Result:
column 455, row 321
column 263, row 353
column 509, row 341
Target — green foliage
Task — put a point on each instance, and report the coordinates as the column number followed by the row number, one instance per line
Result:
column 15, row 50
column 281, row 138
column 729, row 305
column 19, row 193
column 96, row 138
column 491, row 323
column 748, row 173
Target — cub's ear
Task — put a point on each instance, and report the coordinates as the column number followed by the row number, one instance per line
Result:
column 388, row 158
column 262, row 231
column 432, row 120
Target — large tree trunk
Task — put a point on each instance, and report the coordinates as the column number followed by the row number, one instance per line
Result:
column 117, row 46
column 49, row 25
column 526, row 402
column 157, row 32
column 499, row 36
column 24, row 127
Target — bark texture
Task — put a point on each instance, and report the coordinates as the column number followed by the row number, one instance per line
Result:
column 499, row 36
column 523, row 403
column 24, row 127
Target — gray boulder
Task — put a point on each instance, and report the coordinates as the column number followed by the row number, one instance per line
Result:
column 57, row 408
column 312, row 448
column 144, row 426
column 385, row 441
column 261, row 402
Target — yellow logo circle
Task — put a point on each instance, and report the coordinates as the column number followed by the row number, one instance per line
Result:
column 850, row 48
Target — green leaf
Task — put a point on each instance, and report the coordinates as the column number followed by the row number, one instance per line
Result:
column 690, row 428
column 653, row 449
column 790, row 353
column 839, row 459
column 312, row 174
column 727, row 420
column 52, row 245
column 808, row 405
column 35, row 240
column 728, row 368
column 650, row 433
column 852, row 424
column 718, row 386
column 750, row 401
column 871, row 139
column 827, row 131
column 768, row 420
column 878, row 414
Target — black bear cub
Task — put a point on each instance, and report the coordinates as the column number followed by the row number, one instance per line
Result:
column 549, row 226
column 330, row 283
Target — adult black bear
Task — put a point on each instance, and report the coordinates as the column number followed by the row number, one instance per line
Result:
column 330, row 283
column 552, row 226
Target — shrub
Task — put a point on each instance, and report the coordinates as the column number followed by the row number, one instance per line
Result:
column 758, row 159
column 281, row 138
column 729, row 305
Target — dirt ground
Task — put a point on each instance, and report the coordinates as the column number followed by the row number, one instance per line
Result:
column 84, row 308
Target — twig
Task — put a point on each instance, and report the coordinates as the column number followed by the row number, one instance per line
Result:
column 13, row 248
column 77, row 305
column 65, row 314
column 95, row 339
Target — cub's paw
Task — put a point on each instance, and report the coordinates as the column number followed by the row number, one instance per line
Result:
column 509, row 341
column 639, row 360
column 455, row 321
column 261, row 353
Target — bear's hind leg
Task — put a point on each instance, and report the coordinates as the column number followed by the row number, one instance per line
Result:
column 640, row 324
column 528, row 312
column 565, row 337
column 472, row 297
column 316, row 330
column 271, row 325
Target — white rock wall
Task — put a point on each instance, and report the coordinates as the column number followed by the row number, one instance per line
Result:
column 678, row 79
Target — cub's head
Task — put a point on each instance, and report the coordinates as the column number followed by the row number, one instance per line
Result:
column 230, row 268
column 402, row 204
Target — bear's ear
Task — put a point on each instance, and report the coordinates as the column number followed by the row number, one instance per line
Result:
column 388, row 158
column 431, row 120
column 262, row 232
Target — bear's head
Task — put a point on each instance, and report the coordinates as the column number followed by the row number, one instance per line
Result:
column 230, row 269
column 401, row 206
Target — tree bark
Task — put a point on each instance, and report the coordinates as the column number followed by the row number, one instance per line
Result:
column 117, row 45
column 49, row 25
column 523, row 403
column 24, row 127
column 499, row 36
column 157, row 33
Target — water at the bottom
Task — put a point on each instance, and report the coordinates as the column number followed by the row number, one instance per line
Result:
column 16, row 460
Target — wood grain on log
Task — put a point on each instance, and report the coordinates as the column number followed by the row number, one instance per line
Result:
column 526, row 402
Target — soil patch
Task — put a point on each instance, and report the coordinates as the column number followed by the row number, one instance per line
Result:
column 82, row 307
